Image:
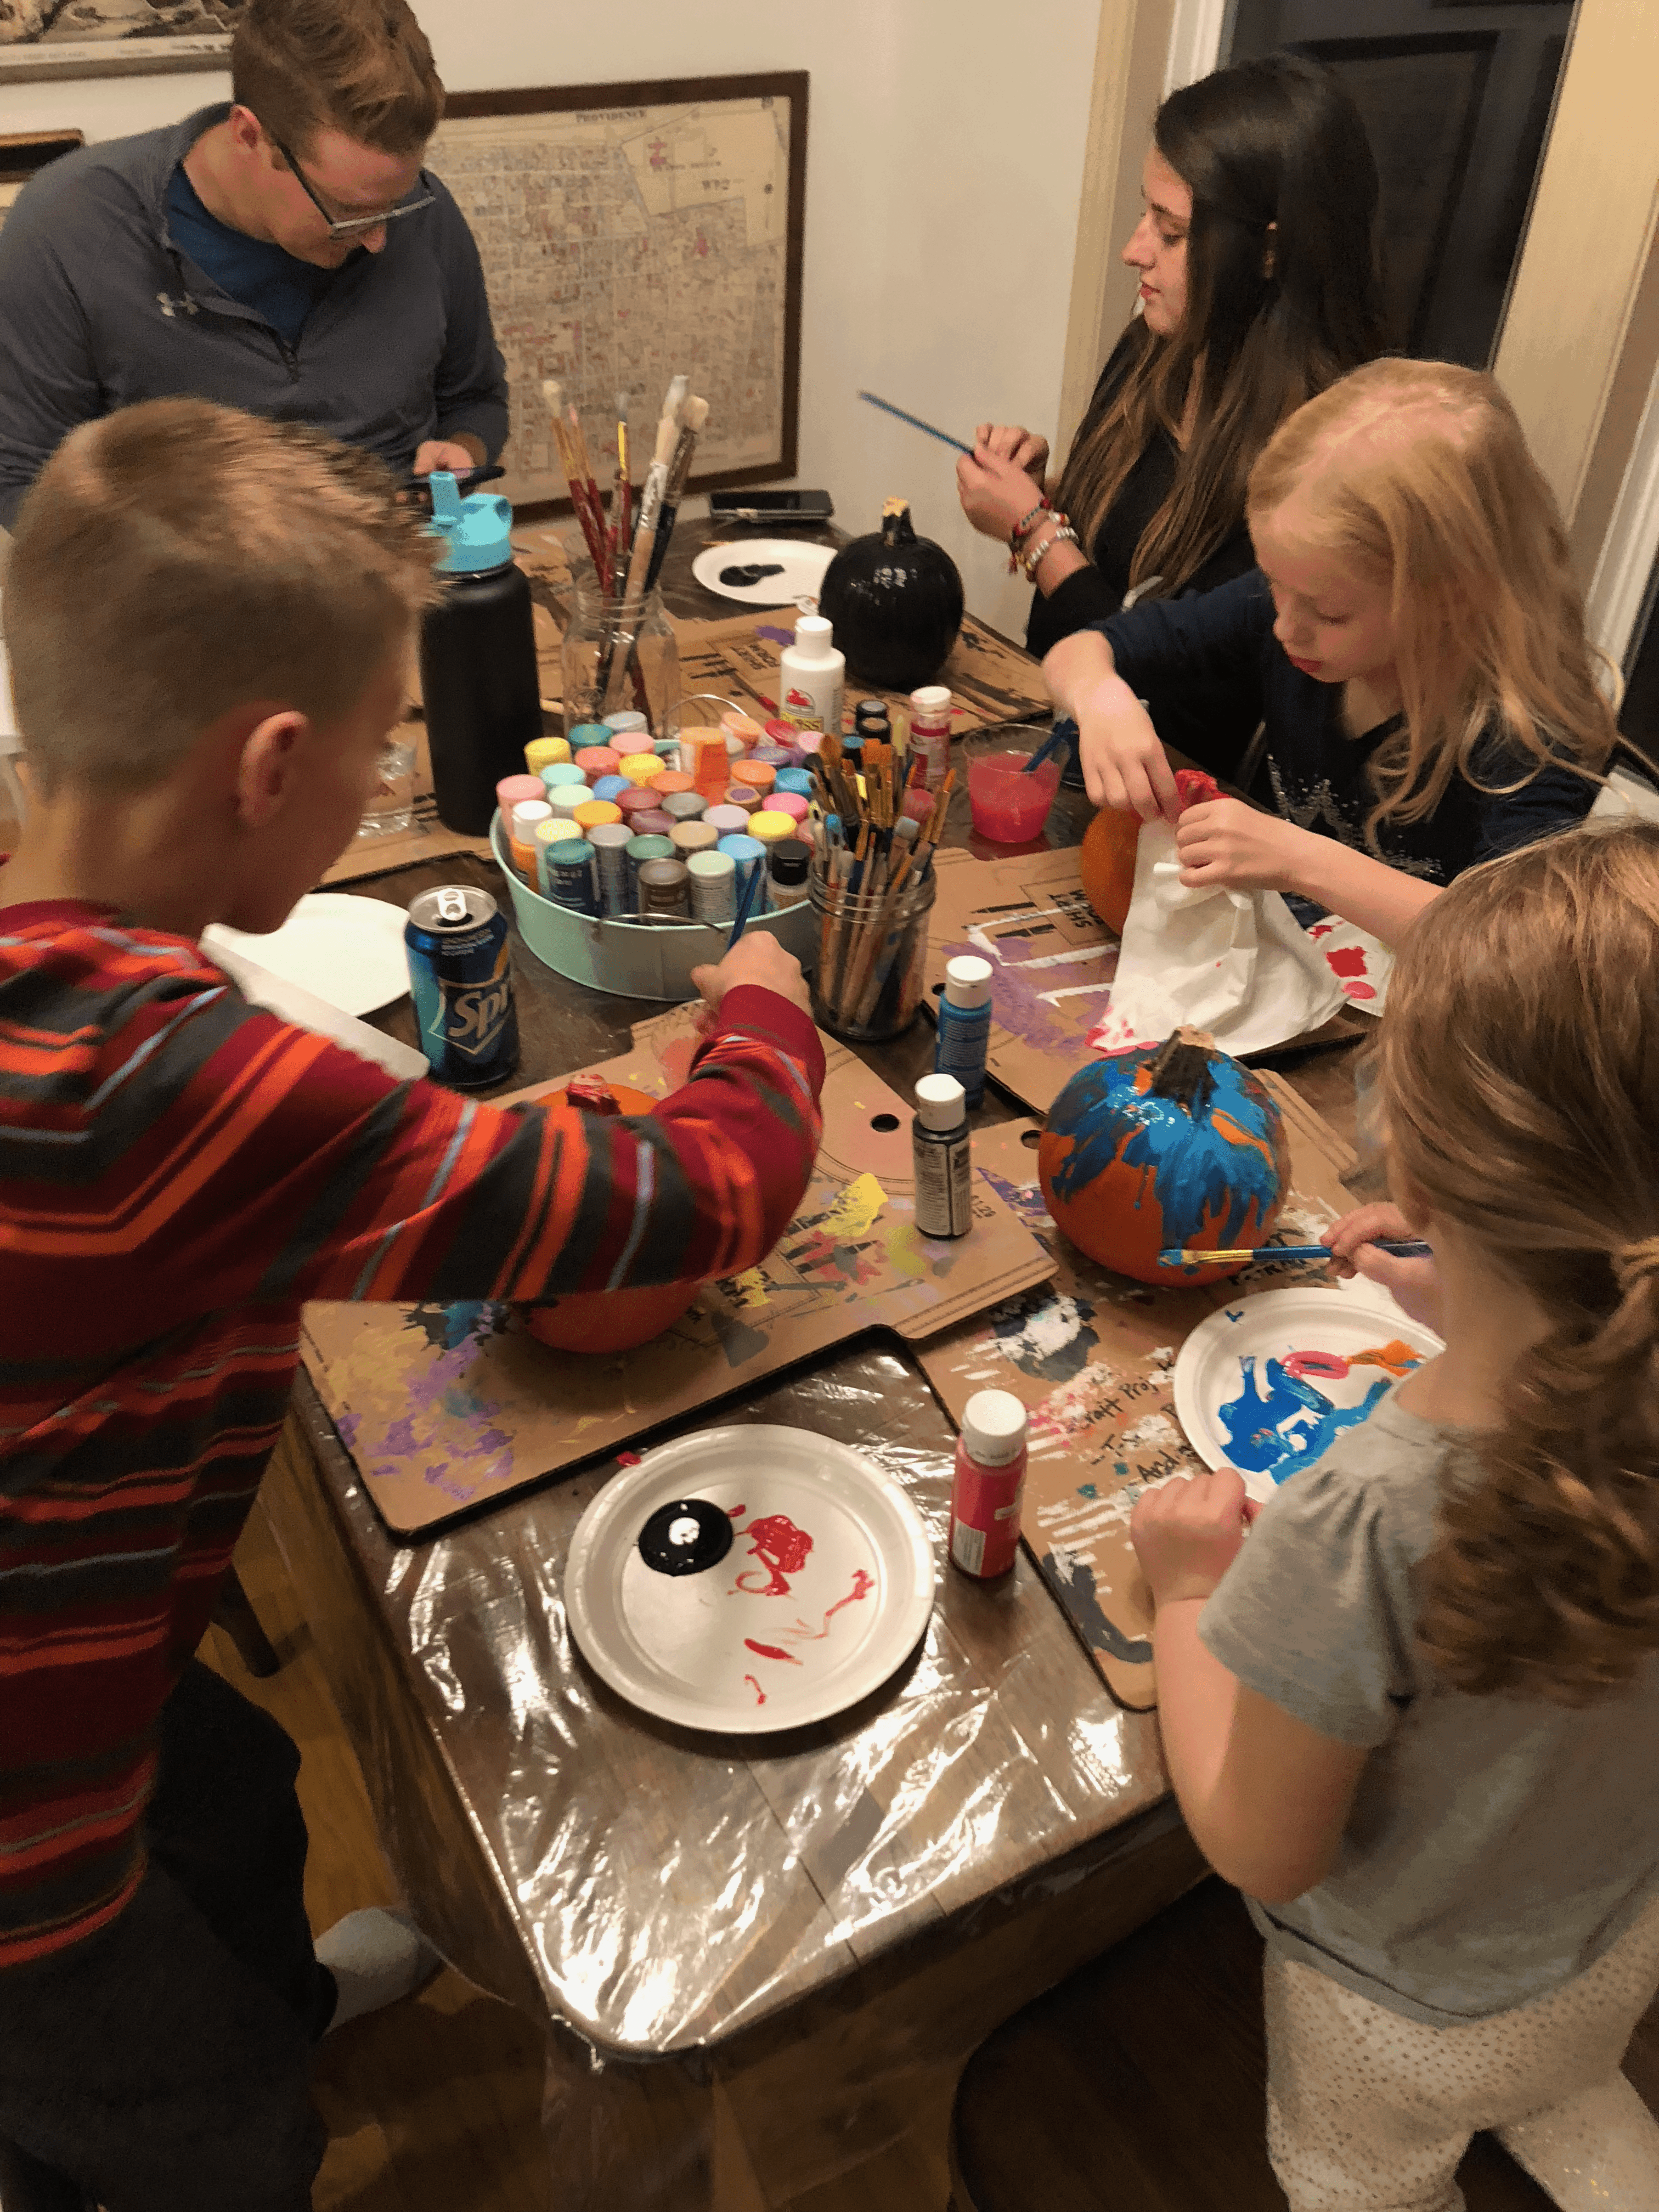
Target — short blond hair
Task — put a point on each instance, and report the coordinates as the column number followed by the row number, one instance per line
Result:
column 176, row 559
column 1418, row 473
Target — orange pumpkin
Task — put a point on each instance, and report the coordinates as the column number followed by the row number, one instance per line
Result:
column 607, row 1321
column 1107, row 865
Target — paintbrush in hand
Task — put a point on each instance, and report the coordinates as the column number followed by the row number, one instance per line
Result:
column 1407, row 1249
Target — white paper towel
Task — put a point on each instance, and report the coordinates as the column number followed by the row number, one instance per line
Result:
column 1236, row 963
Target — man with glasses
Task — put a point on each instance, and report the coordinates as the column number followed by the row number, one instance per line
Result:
column 287, row 254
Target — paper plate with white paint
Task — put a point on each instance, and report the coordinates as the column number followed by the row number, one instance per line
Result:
column 801, row 565
column 745, row 1579
column 345, row 950
column 1269, row 1384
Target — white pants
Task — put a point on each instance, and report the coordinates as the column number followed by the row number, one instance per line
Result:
column 1371, row 2111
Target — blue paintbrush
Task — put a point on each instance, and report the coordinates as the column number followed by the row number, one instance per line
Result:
column 1050, row 744
column 916, row 422
column 746, row 902
column 1191, row 1259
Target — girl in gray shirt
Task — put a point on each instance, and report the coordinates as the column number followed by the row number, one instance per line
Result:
column 1413, row 1714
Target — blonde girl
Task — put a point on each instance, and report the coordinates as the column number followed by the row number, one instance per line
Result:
column 1413, row 1713
column 1413, row 644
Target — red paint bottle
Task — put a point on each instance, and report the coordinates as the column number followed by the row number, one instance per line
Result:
column 990, row 1483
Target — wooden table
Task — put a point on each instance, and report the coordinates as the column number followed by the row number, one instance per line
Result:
column 759, row 1968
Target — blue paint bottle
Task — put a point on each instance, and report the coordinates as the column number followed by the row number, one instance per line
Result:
column 964, row 1025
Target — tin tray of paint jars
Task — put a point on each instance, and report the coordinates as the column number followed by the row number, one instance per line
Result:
column 635, row 959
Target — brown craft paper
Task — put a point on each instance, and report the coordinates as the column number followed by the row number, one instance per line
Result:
column 437, row 1430
column 1092, row 1355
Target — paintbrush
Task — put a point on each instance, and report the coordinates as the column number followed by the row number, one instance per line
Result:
column 1186, row 1257
column 746, row 902
column 631, row 589
column 578, row 446
column 916, row 422
column 693, row 415
column 621, row 520
column 1050, row 744
column 591, row 521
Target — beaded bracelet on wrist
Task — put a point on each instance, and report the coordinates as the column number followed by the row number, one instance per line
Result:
column 1064, row 536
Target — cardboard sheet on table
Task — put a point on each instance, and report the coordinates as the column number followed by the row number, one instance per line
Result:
column 992, row 681
column 1092, row 1355
column 448, row 1408
column 1053, row 964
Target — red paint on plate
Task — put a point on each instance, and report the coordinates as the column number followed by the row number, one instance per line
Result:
column 769, row 1651
column 782, row 1549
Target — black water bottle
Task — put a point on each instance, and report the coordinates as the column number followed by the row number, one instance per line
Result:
column 479, row 681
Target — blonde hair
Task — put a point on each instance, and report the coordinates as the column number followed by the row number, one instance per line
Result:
column 363, row 67
column 176, row 559
column 1520, row 1080
column 1417, row 473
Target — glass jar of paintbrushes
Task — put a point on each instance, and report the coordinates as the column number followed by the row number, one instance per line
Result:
column 618, row 652
column 871, row 888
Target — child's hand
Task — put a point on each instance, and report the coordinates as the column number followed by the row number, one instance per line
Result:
column 1414, row 1283
column 757, row 957
column 1226, row 845
column 1124, row 764
column 1187, row 1532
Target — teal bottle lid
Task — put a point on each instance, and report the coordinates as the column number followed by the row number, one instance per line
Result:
column 477, row 530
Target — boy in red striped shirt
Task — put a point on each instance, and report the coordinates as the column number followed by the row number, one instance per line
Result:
column 209, row 619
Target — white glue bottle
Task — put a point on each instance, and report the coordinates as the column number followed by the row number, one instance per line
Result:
column 812, row 674
column 944, row 1158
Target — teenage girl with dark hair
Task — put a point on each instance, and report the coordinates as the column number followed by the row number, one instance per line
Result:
column 1260, row 286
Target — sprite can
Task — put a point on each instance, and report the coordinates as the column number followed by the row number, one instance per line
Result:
column 460, row 974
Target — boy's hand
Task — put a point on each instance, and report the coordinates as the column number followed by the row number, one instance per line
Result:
column 1415, row 1284
column 1188, row 1531
column 1224, row 845
column 757, row 957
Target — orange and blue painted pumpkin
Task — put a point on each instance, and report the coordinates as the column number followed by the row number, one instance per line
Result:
column 1176, row 1146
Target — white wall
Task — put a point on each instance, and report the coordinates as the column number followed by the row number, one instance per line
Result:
column 944, row 162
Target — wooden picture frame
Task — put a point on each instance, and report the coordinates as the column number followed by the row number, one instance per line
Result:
column 134, row 37
column 24, row 152
column 541, row 313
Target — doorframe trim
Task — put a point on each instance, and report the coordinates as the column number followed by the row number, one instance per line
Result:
column 1624, row 569
column 1195, row 42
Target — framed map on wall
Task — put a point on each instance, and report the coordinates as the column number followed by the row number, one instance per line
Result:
column 632, row 232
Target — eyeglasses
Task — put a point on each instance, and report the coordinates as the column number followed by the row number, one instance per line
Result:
column 354, row 226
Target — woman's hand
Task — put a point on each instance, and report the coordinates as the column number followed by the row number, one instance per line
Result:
column 1226, row 845
column 1415, row 1284
column 1001, row 480
column 1188, row 1531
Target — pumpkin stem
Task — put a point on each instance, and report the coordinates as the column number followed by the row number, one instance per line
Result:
column 1180, row 1070
column 896, row 527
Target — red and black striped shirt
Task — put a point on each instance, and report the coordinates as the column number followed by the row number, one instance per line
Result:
column 178, row 1172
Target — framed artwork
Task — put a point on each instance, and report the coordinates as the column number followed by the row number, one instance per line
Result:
column 23, row 152
column 112, row 38
column 630, row 233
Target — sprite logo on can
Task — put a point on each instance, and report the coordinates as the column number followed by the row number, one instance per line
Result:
column 460, row 970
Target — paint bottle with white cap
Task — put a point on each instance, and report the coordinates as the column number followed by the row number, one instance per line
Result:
column 964, row 1025
column 989, row 1485
column 944, row 1158
column 812, row 674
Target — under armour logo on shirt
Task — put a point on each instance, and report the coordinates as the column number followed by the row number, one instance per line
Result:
column 170, row 307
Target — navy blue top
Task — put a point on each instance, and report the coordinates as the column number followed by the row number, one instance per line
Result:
column 1211, row 671
column 259, row 273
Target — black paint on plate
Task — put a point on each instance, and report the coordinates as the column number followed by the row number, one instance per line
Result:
column 686, row 1538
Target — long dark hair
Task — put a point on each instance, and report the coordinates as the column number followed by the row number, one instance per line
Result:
column 1272, row 315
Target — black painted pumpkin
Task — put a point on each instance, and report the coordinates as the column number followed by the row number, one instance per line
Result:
column 895, row 600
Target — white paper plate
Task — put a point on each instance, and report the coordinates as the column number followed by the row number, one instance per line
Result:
column 803, row 1616
column 804, row 565
column 346, row 951
column 1297, row 1417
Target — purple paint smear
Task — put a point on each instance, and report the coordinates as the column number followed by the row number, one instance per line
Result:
column 1017, row 999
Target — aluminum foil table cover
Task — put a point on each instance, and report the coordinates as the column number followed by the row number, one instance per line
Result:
column 661, row 1895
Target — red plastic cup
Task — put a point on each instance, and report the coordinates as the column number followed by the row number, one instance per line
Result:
column 1010, row 807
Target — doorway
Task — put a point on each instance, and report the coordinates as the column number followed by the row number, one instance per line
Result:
column 1456, row 97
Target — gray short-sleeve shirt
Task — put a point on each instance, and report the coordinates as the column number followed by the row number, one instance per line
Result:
column 1496, row 1845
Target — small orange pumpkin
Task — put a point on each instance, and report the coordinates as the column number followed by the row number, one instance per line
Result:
column 607, row 1321
column 1107, row 865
